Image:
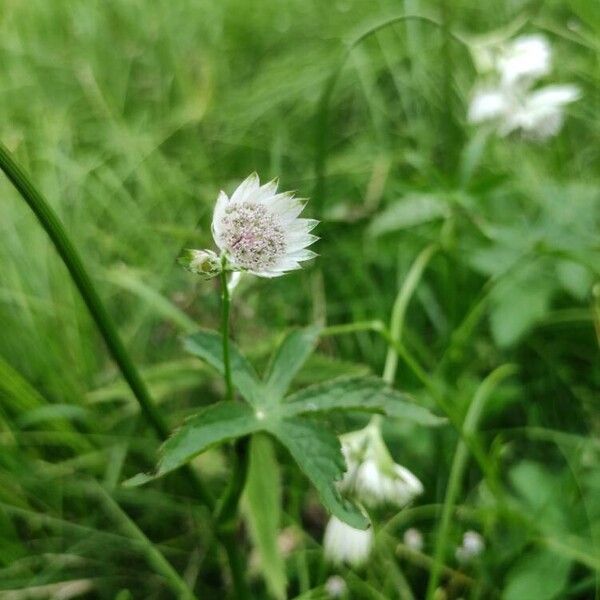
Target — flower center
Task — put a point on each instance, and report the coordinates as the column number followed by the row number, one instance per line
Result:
column 253, row 236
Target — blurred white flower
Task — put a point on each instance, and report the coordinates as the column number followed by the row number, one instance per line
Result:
column 538, row 114
column 413, row 539
column 524, row 60
column 258, row 230
column 472, row 546
column 336, row 587
column 507, row 98
column 344, row 544
column 372, row 476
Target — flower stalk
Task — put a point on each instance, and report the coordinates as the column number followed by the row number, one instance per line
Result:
column 225, row 310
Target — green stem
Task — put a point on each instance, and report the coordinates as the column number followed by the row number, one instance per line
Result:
column 399, row 310
column 458, row 467
column 225, row 309
column 225, row 513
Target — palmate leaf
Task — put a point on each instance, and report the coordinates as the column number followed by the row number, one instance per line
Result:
column 318, row 453
column 315, row 449
column 288, row 359
column 207, row 345
column 368, row 394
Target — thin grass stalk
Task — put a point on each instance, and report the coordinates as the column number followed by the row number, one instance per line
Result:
column 399, row 309
column 153, row 555
column 323, row 107
column 459, row 463
column 70, row 257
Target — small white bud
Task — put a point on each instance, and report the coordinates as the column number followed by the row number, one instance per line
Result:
column 336, row 587
column 472, row 546
column 413, row 539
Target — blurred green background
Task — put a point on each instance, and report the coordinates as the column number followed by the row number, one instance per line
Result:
column 130, row 116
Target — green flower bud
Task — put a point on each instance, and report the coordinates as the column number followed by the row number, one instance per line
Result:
column 201, row 262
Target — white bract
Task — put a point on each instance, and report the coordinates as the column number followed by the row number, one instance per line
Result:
column 472, row 546
column 372, row 476
column 258, row 229
column 507, row 97
column 345, row 544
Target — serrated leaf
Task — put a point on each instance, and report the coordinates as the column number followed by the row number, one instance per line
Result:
column 368, row 394
column 288, row 360
column 412, row 210
column 263, row 512
column 318, row 453
column 216, row 424
column 208, row 345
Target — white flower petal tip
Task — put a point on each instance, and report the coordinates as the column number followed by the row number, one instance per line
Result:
column 372, row 476
column 201, row 262
column 259, row 230
column 344, row 544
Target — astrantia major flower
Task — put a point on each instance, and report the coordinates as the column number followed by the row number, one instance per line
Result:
column 372, row 476
column 259, row 230
column 507, row 95
column 345, row 544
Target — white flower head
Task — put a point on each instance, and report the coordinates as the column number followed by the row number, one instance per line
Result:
column 345, row 544
column 258, row 229
column 508, row 99
column 372, row 476
column 472, row 546
column 336, row 587
column 413, row 538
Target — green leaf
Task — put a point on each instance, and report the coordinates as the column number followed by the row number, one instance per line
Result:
column 368, row 394
column 540, row 575
column 412, row 210
column 214, row 425
column 262, row 508
column 288, row 360
column 518, row 304
column 208, row 345
column 318, row 453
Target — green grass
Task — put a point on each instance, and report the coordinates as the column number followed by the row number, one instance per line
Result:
column 130, row 116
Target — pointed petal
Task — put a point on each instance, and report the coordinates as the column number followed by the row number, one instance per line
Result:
column 219, row 212
column 246, row 189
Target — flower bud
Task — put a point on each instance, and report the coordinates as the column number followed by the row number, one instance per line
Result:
column 201, row 262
